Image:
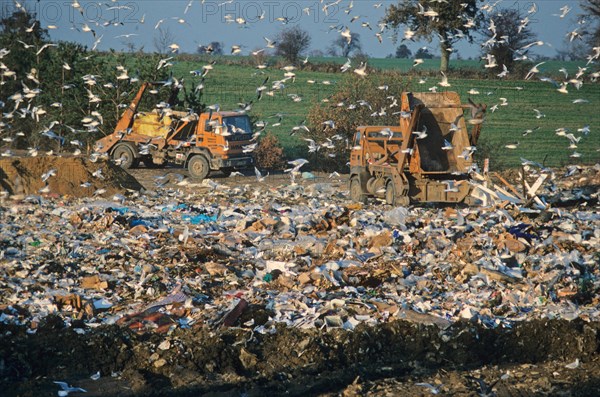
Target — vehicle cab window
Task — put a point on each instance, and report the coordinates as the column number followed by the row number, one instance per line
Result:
column 357, row 137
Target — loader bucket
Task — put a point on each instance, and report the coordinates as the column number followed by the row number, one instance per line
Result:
column 443, row 117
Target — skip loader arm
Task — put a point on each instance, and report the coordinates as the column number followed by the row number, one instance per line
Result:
column 127, row 117
column 409, row 140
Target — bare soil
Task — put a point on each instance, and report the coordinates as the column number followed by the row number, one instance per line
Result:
column 23, row 176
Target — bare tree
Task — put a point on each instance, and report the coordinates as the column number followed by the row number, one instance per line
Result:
column 504, row 35
column 592, row 33
column 164, row 39
column 291, row 43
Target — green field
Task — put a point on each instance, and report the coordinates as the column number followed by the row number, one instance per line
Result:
column 551, row 67
column 229, row 84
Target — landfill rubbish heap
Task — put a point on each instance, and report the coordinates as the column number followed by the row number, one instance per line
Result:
column 255, row 286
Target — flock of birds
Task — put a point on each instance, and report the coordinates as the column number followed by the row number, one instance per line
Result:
column 24, row 100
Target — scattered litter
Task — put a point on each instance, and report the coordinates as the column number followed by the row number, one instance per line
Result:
column 303, row 254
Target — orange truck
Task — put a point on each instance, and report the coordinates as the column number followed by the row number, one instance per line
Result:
column 427, row 157
column 203, row 142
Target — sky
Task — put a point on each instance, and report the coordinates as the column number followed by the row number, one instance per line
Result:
column 196, row 22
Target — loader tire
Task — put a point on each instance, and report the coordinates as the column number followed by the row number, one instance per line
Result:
column 125, row 155
column 198, row 167
column 356, row 192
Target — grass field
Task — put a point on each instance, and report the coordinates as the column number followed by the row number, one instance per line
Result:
column 404, row 65
column 229, row 84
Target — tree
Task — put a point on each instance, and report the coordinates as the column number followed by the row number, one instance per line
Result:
column 592, row 8
column 403, row 52
column 504, row 37
column 451, row 21
column 291, row 43
column 164, row 39
column 345, row 47
column 423, row 53
column 214, row 48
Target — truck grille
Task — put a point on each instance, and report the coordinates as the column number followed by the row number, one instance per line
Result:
column 239, row 137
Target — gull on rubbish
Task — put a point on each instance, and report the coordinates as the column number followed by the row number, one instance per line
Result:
column 432, row 389
column 98, row 173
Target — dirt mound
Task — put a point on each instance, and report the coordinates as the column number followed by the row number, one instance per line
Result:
column 388, row 359
column 64, row 176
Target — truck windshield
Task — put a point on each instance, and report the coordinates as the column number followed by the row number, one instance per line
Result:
column 237, row 124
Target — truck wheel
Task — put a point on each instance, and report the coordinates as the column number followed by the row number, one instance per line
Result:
column 390, row 193
column 124, row 155
column 198, row 167
column 356, row 193
column 392, row 199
